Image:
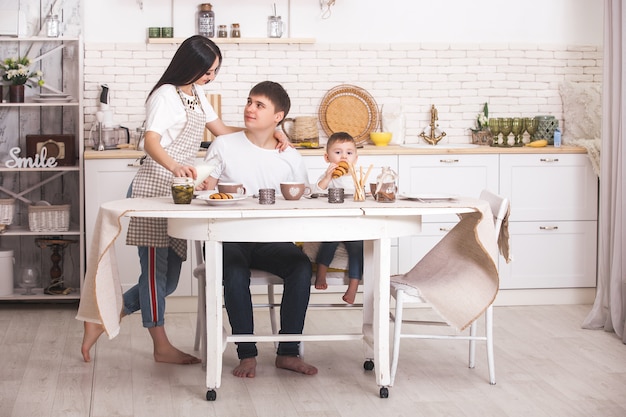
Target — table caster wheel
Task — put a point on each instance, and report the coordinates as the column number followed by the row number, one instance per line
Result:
column 384, row 392
column 368, row 365
column 211, row 395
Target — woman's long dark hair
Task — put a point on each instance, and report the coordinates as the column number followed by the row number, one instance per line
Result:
column 191, row 61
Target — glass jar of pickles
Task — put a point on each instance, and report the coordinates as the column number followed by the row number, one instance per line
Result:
column 182, row 190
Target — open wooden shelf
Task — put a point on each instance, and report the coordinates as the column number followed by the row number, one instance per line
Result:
column 238, row 40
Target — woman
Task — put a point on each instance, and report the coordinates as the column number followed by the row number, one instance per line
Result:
column 177, row 113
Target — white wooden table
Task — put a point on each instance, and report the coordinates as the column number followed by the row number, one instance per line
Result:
column 286, row 221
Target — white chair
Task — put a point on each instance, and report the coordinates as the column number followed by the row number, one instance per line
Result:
column 337, row 276
column 499, row 207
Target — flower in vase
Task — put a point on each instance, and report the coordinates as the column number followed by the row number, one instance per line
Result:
column 482, row 120
column 17, row 71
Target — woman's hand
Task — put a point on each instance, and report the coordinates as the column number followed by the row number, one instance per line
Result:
column 184, row 171
column 283, row 141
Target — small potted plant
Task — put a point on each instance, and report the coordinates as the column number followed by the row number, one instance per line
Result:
column 17, row 72
column 481, row 135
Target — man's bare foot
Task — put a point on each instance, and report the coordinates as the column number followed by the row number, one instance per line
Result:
column 320, row 277
column 172, row 355
column 296, row 364
column 246, row 368
column 92, row 332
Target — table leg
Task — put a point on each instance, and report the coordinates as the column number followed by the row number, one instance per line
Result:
column 215, row 340
column 382, row 268
column 377, row 266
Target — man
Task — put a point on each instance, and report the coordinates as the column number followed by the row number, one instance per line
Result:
column 250, row 157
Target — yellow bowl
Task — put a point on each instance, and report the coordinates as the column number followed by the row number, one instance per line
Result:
column 380, row 138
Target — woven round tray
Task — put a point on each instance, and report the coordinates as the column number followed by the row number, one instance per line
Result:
column 347, row 108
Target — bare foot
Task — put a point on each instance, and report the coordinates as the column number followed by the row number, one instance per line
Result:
column 350, row 294
column 165, row 352
column 90, row 336
column 246, row 368
column 320, row 277
column 349, row 297
column 175, row 356
column 296, row 364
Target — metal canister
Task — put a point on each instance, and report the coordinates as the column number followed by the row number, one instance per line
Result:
column 545, row 128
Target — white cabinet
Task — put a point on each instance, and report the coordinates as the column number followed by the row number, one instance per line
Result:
column 57, row 123
column 107, row 180
column 553, row 224
column 456, row 174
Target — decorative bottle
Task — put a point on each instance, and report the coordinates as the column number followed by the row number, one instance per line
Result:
column 206, row 20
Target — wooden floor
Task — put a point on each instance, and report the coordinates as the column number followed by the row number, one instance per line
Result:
column 546, row 366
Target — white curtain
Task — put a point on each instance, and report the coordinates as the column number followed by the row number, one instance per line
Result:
column 609, row 308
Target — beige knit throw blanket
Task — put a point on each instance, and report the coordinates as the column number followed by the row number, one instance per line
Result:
column 459, row 277
column 101, row 296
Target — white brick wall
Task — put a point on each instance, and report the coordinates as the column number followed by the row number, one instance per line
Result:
column 516, row 80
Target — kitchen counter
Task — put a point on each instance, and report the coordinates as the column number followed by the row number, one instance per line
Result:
column 375, row 150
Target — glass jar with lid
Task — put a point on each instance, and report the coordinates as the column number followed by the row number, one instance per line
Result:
column 52, row 25
column 182, row 190
column 235, row 32
column 222, row 31
column 206, row 20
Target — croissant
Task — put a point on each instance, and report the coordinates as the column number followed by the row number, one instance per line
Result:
column 342, row 169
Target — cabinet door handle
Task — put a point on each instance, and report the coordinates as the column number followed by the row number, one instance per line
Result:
column 448, row 161
column 549, row 159
column 445, row 229
column 548, row 227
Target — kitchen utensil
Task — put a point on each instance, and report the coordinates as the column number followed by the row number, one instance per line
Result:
column 99, row 144
column 110, row 138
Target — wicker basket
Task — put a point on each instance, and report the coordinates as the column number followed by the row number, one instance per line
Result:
column 7, row 208
column 347, row 108
column 49, row 218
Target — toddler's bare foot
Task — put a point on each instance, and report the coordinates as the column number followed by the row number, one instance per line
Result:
column 246, row 368
column 350, row 294
column 320, row 277
column 175, row 356
column 92, row 332
column 320, row 283
column 296, row 364
column 349, row 297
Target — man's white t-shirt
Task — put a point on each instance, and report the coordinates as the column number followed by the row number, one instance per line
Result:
column 166, row 114
column 255, row 167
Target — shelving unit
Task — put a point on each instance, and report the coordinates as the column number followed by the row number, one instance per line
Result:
column 238, row 40
column 61, row 60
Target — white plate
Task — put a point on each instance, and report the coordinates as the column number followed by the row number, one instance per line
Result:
column 428, row 197
column 52, row 99
column 205, row 195
column 53, row 95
